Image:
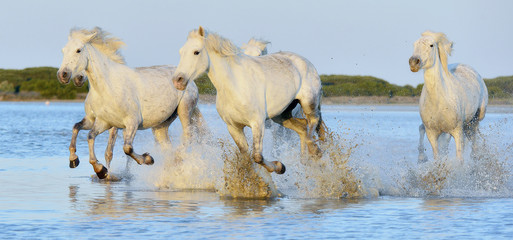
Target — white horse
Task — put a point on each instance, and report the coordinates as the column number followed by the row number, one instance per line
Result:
column 454, row 97
column 122, row 97
column 252, row 89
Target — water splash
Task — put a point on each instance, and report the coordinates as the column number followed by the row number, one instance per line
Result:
column 243, row 178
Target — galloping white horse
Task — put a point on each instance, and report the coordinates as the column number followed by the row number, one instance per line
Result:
column 122, row 97
column 252, row 89
column 454, row 97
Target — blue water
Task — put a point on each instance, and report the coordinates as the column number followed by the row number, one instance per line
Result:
column 42, row 198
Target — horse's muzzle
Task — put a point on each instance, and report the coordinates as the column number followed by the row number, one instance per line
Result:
column 179, row 81
column 64, row 76
column 414, row 64
column 79, row 80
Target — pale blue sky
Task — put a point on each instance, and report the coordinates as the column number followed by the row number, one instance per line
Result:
column 338, row 37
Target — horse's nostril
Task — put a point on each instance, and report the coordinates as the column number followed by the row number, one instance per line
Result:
column 417, row 61
column 80, row 78
column 180, row 79
column 64, row 74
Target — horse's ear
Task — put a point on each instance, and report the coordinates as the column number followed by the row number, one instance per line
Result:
column 201, row 31
column 90, row 37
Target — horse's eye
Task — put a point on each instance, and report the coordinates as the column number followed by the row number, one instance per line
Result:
column 78, row 50
column 196, row 52
column 431, row 45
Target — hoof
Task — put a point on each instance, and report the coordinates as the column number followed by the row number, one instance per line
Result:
column 74, row 163
column 422, row 158
column 102, row 173
column 148, row 160
column 280, row 167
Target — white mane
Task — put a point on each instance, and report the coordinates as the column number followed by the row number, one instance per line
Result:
column 102, row 41
column 216, row 43
column 261, row 45
column 444, row 47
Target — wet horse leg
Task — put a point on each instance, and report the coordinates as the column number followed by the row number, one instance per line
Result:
column 258, row 137
column 296, row 124
column 113, row 133
column 185, row 111
column 433, row 139
column 312, row 118
column 86, row 124
column 237, row 133
column 128, row 137
column 98, row 127
column 422, row 155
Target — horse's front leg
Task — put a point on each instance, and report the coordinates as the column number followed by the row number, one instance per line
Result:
column 459, row 139
column 98, row 127
column 113, row 134
column 185, row 111
column 128, row 137
column 258, row 144
column 86, row 123
column 237, row 133
column 422, row 155
column 433, row 139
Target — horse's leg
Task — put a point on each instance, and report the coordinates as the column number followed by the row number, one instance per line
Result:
column 113, row 134
column 433, row 139
column 258, row 142
column 422, row 155
column 296, row 124
column 470, row 131
column 237, row 133
column 185, row 111
column 443, row 142
column 98, row 127
column 86, row 123
column 128, row 138
column 459, row 139
column 311, row 111
column 161, row 134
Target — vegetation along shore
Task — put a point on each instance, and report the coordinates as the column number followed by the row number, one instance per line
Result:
column 40, row 83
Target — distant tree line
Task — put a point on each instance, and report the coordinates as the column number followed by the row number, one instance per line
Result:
column 43, row 81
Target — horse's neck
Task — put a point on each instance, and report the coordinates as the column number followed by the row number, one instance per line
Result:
column 99, row 71
column 218, row 74
column 437, row 82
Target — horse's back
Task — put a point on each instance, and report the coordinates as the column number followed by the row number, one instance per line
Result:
column 473, row 86
column 157, row 94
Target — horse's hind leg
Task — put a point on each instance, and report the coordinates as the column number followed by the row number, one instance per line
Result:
column 258, row 137
column 312, row 113
column 161, row 132
column 422, row 155
column 128, row 138
column 86, row 124
column 113, row 134
column 296, row 124
column 471, row 130
column 98, row 127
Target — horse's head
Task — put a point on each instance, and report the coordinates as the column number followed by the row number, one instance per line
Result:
column 255, row 47
column 75, row 59
column 194, row 59
column 427, row 49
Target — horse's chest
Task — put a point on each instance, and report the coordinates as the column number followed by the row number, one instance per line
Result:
column 439, row 117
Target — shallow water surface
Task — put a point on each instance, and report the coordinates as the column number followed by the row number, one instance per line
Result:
column 375, row 148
